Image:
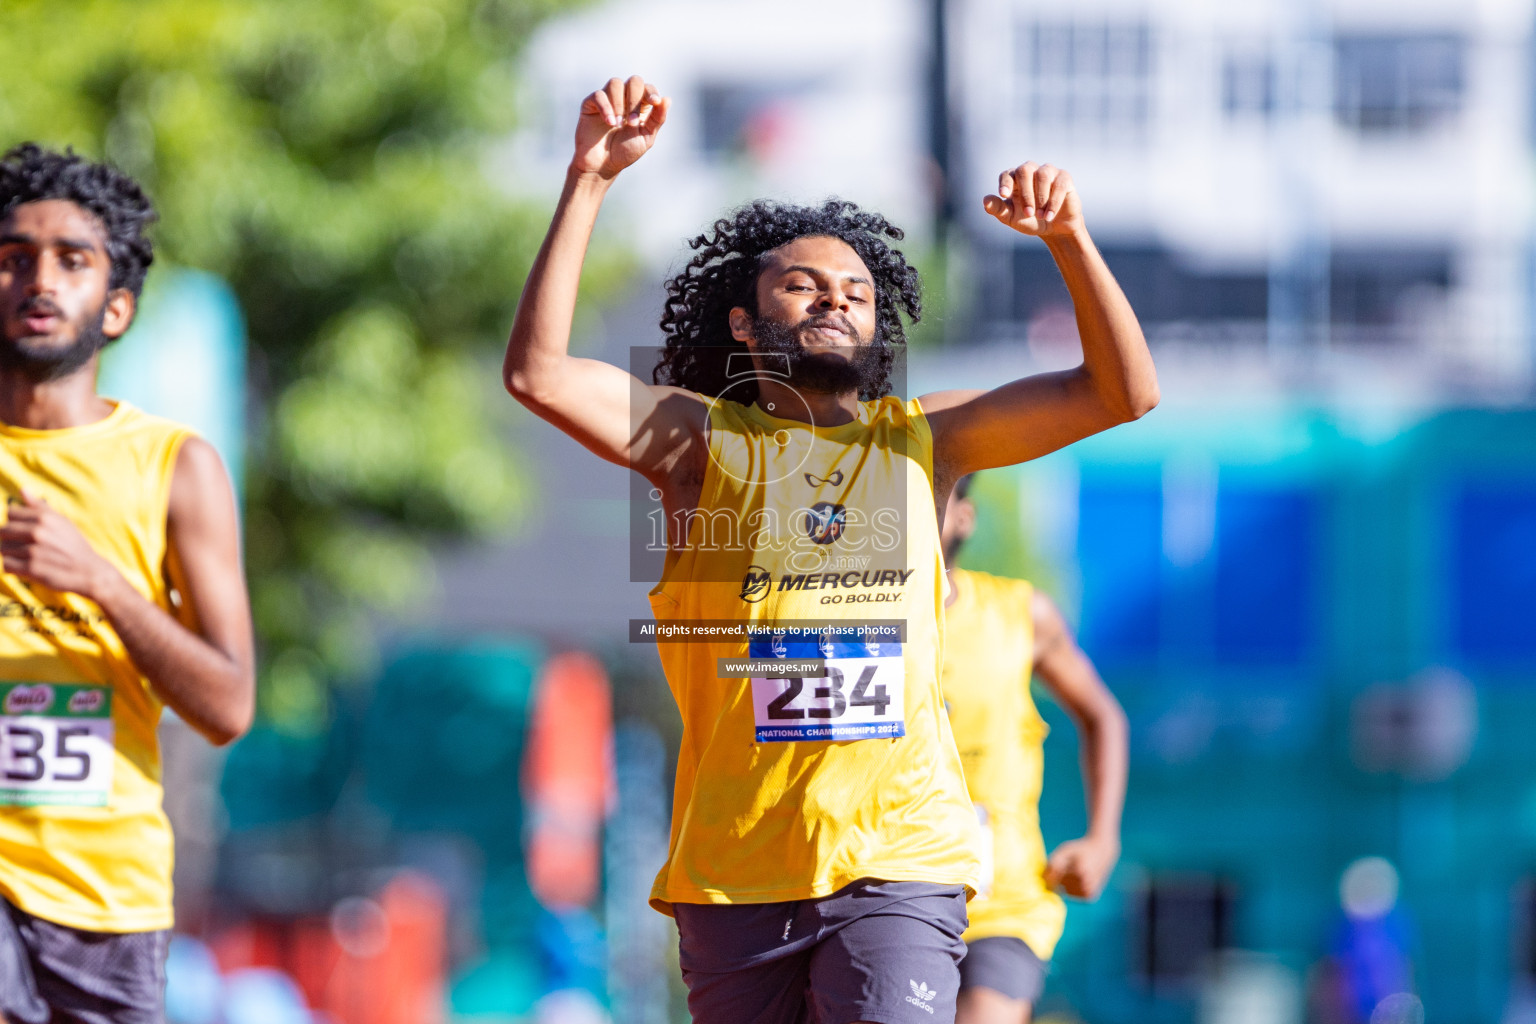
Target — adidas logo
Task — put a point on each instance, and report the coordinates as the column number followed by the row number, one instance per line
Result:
column 922, row 996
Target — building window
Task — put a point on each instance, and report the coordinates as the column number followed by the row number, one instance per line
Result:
column 1523, row 921
column 1248, row 87
column 1387, row 288
column 1397, row 83
column 1085, row 80
column 1185, row 920
column 745, row 119
column 1161, row 287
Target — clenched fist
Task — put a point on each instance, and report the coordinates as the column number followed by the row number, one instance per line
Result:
column 1080, row 867
column 617, row 126
column 1036, row 199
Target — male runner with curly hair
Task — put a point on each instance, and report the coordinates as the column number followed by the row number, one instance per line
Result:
column 122, row 593
column 823, row 843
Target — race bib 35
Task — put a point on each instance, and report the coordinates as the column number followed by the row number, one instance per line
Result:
column 56, row 745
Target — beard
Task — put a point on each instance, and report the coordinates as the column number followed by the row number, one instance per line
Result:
column 822, row 370
column 39, row 361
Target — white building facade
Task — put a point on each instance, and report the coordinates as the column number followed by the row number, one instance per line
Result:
column 1348, row 181
column 794, row 102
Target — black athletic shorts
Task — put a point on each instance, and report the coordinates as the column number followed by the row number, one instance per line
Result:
column 872, row 951
column 53, row 974
column 1004, row 964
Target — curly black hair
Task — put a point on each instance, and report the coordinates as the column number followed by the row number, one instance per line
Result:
column 723, row 274
column 29, row 174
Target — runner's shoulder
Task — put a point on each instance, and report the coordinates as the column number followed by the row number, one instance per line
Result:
column 199, row 464
column 663, row 390
column 129, row 422
column 680, row 421
column 990, row 586
column 942, row 401
column 681, row 398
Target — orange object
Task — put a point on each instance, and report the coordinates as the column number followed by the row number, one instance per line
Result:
column 372, row 961
column 568, row 784
column 394, row 952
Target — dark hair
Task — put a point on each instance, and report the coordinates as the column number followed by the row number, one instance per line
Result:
column 29, row 174
column 963, row 486
column 723, row 274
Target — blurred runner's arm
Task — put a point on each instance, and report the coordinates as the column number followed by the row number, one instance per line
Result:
column 203, row 666
column 609, row 410
column 1080, row 867
column 1116, row 382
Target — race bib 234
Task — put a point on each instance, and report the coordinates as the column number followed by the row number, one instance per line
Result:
column 855, row 691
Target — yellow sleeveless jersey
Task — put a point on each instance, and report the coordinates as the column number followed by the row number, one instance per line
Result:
column 989, row 650
column 83, row 839
column 792, row 784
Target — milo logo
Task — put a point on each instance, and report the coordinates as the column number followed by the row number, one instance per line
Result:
column 83, row 702
column 29, row 699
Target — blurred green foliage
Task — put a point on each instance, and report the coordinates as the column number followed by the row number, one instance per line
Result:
column 1005, row 542
column 326, row 158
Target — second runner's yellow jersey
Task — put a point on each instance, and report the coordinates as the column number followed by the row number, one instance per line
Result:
column 83, row 839
column 793, row 787
column 989, row 651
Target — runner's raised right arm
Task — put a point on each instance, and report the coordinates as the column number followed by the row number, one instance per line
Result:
column 610, row 411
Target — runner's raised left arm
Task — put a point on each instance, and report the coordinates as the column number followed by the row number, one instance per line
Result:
column 1029, row 417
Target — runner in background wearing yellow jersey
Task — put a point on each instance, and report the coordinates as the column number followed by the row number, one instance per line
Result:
column 823, row 843
column 999, row 633
column 122, row 592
